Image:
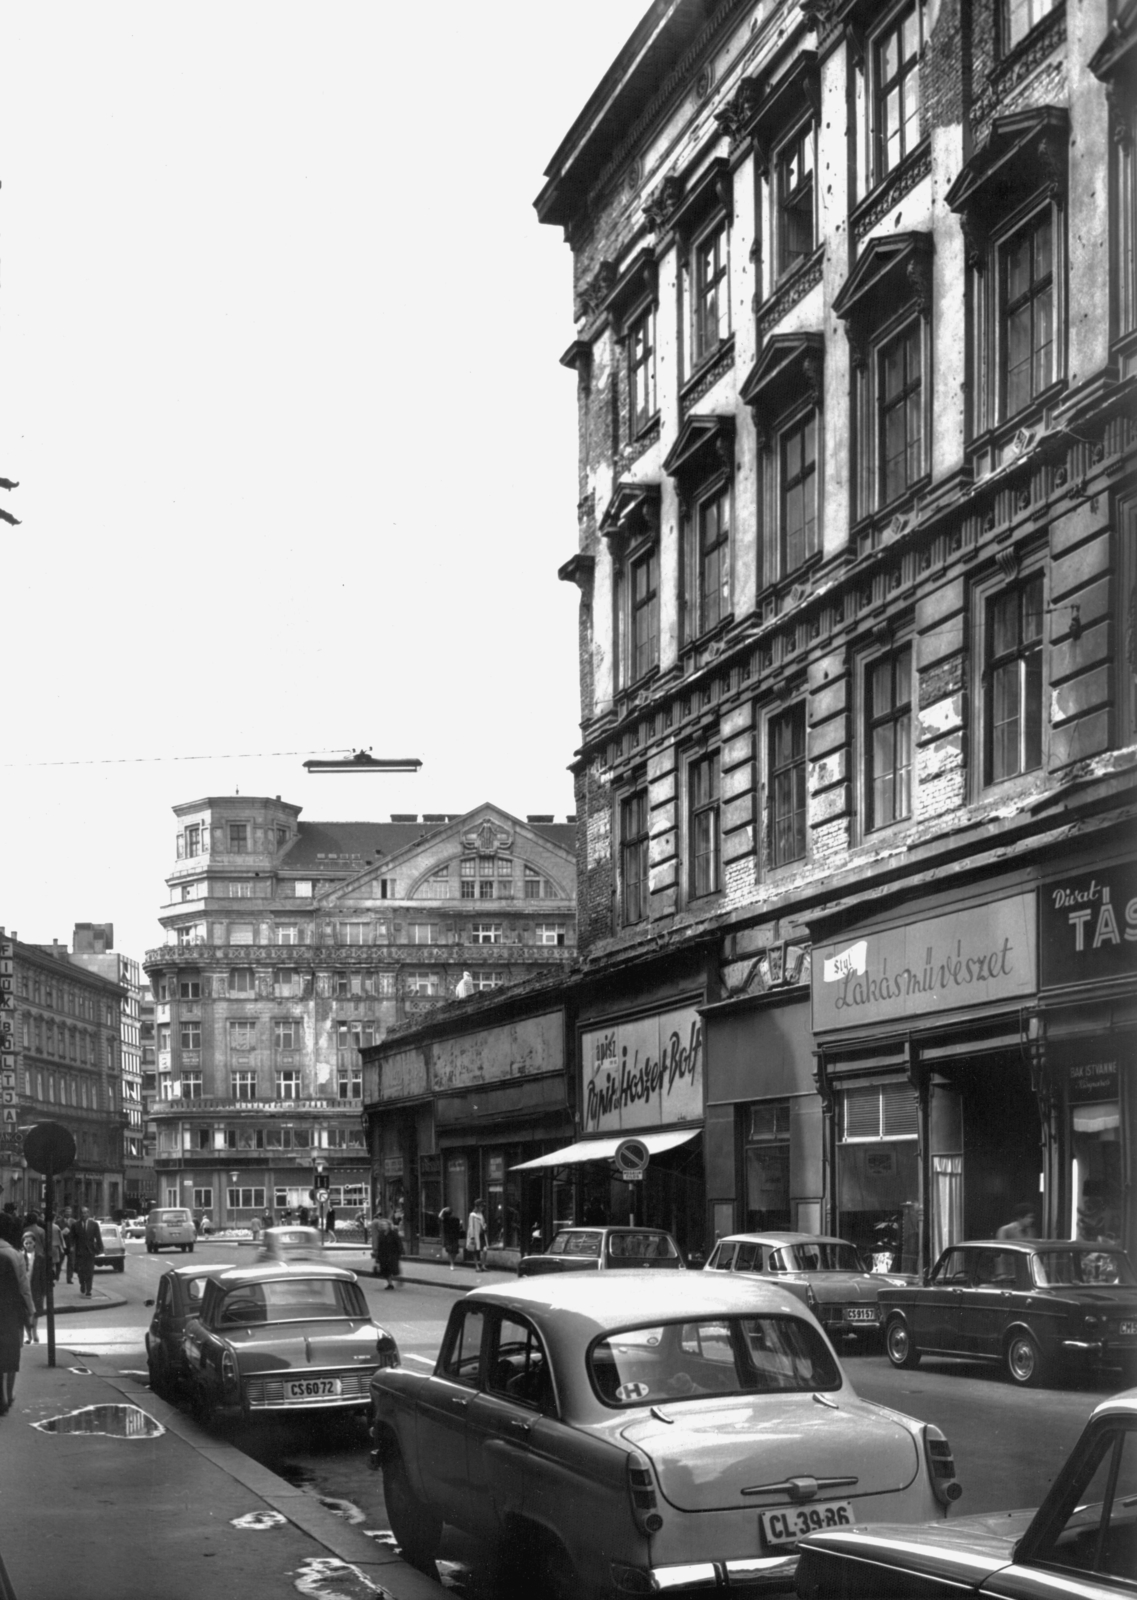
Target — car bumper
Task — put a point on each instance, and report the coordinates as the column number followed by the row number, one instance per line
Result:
column 753, row 1574
column 268, row 1394
column 1101, row 1352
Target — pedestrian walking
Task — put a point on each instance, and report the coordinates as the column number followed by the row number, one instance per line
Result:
column 451, row 1233
column 388, row 1251
column 87, row 1240
column 35, row 1260
column 57, row 1251
column 66, row 1224
column 1022, row 1227
column 17, row 1309
column 476, row 1236
column 330, row 1223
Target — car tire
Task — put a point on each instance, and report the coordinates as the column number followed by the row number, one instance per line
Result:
column 189, row 1249
column 151, row 1249
column 417, row 1528
column 119, row 1266
column 159, row 1377
column 1025, row 1363
column 899, row 1344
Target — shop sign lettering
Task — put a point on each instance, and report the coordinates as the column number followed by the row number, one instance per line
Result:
column 1093, row 1080
column 967, row 958
column 1088, row 926
column 647, row 1073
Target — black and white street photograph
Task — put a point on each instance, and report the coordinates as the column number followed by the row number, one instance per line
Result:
column 568, row 841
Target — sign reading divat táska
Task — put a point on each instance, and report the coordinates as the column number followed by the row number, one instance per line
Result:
column 643, row 1073
column 1088, row 926
column 10, row 1139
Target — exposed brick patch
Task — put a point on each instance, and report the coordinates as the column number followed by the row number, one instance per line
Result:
column 942, row 681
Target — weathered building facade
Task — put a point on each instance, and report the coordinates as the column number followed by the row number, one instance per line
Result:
column 64, row 1052
column 856, row 308
column 92, row 946
column 294, row 946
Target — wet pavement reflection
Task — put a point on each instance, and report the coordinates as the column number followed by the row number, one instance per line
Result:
column 115, row 1421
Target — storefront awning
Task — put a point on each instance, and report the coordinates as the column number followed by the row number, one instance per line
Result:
column 605, row 1149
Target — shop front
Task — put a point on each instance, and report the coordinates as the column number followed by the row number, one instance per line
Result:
column 764, row 1118
column 1088, row 999
column 641, row 1073
column 926, row 1037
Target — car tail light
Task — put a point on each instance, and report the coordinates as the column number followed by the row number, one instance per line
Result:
column 641, row 1491
column 941, row 1467
column 230, row 1376
column 388, row 1351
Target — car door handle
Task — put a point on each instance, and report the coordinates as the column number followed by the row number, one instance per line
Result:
column 459, row 1401
column 519, row 1425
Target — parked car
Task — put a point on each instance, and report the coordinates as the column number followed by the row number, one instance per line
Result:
column 113, row 1253
column 1081, row 1542
column 291, row 1244
column 586, row 1249
column 283, row 1337
column 639, row 1432
column 1042, row 1307
column 180, row 1290
column 827, row 1273
column 170, row 1225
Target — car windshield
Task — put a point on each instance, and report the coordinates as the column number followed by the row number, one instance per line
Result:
column 661, row 1363
column 818, row 1255
column 633, row 1247
column 168, row 1216
column 290, row 1300
column 1058, row 1268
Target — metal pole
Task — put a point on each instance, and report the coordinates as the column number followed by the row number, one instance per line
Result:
column 49, row 1261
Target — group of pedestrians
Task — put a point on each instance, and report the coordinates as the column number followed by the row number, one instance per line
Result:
column 476, row 1234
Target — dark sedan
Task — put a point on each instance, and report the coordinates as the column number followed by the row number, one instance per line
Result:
column 1040, row 1307
column 1080, row 1543
column 178, row 1298
column 604, row 1249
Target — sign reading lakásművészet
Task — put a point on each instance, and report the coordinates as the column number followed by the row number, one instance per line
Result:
column 647, row 1073
column 964, row 958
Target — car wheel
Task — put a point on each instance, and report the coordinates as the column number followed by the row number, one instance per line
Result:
column 159, row 1376
column 556, row 1572
column 189, row 1249
column 900, row 1345
column 151, row 1249
column 119, row 1266
column 417, row 1529
column 1024, row 1361
column 203, row 1405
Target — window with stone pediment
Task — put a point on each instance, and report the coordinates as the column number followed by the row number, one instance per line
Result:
column 786, row 786
column 702, row 463
column 631, row 527
column 702, row 221
column 784, row 391
column 634, row 843
column 895, row 50
column 795, row 202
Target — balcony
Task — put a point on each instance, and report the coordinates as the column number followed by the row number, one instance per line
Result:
column 281, row 1108
column 325, row 957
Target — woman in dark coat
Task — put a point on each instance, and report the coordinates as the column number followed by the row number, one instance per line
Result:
column 17, row 1309
column 388, row 1252
column 35, row 1257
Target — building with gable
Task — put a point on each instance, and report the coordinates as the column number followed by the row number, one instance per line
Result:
column 294, row 945
column 855, row 295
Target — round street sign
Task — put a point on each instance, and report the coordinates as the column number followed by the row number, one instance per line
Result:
column 49, row 1147
column 631, row 1157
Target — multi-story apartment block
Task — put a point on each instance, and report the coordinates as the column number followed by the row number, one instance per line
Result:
column 92, row 946
column 66, row 1046
column 856, row 335
column 293, row 946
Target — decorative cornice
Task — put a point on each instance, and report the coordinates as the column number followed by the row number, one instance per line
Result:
column 663, row 202
column 887, row 195
column 787, row 295
column 704, row 381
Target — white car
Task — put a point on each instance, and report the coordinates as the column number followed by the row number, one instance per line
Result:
column 643, row 1431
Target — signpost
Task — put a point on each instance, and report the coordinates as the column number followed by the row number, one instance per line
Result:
column 49, row 1148
column 631, row 1160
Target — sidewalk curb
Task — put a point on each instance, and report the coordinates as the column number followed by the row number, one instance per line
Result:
column 343, row 1540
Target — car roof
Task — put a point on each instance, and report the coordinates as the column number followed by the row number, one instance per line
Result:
column 1084, row 1245
column 604, row 1301
column 268, row 1271
column 780, row 1238
column 606, row 1227
column 1118, row 1405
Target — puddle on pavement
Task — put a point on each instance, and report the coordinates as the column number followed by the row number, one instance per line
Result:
column 342, row 1508
column 117, row 1422
column 328, row 1578
column 86, row 1371
column 259, row 1520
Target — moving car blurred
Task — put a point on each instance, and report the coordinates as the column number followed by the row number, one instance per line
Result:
column 641, row 1432
column 826, row 1273
column 178, row 1298
column 170, row 1225
column 291, row 1244
column 134, row 1228
column 1081, row 1542
column 113, row 1253
column 295, row 1337
column 607, row 1249
column 1044, row 1308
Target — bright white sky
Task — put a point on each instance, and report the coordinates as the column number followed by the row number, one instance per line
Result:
column 278, row 378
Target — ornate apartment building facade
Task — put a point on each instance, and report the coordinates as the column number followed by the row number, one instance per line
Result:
column 92, row 947
column 294, row 945
column 856, row 335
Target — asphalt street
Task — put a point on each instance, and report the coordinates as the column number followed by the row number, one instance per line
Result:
column 1008, row 1443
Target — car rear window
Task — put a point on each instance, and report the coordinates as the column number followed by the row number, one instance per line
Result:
column 290, row 1300
column 1067, row 1267
column 575, row 1244
column 169, row 1216
column 819, row 1256
column 665, row 1362
column 632, row 1247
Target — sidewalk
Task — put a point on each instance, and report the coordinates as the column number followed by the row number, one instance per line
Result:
column 92, row 1516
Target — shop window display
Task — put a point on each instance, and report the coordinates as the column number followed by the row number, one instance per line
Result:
column 767, row 1165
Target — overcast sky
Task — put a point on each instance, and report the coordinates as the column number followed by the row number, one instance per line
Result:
column 278, row 379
